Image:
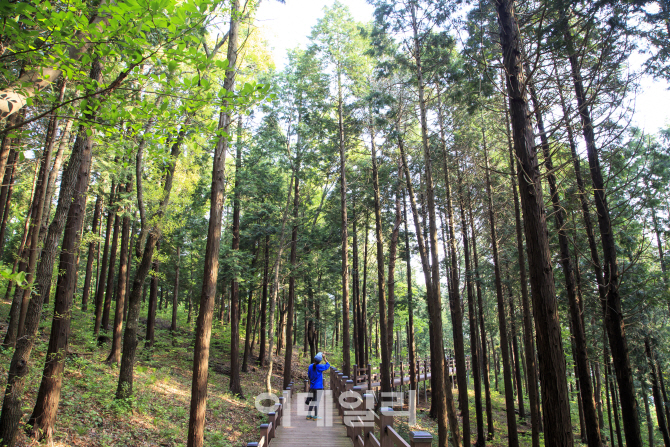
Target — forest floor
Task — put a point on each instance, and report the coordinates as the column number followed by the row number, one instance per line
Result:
column 157, row 414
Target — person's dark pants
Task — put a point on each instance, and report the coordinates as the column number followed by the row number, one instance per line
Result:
column 315, row 396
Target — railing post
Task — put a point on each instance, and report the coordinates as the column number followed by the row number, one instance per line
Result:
column 272, row 417
column 420, row 439
column 265, row 431
column 343, row 388
column 348, row 386
column 306, row 384
column 279, row 408
column 386, row 420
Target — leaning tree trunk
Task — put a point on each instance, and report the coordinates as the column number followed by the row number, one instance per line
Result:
column 92, row 248
column 512, row 434
column 196, row 424
column 43, row 419
column 557, row 425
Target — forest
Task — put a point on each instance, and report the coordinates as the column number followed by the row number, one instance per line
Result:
column 453, row 185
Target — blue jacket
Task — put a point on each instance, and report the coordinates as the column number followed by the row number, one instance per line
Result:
column 316, row 375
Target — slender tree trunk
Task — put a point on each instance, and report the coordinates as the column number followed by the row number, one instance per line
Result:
column 43, row 418
column 115, row 354
column 196, row 425
column 153, row 304
column 248, row 330
column 577, row 325
column 262, row 360
column 364, row 311
column 92, row 248
column 550, row 352
column 455, row 296
column 235, row 385
column 472, row 317
column 383, row 315
column 650, row 424
column 512, row 434
column 346, row 356
column 175, row 294
column 410, row 304
column 615, row 404
column 110, row 274
column 480, row 306
column 658, row 398
column 100, row 286
column 124, row 388
column 6, row 196
column 529, row 343
column 612, row 310
column 288, row 355
column 393, row 248
column 515, row 351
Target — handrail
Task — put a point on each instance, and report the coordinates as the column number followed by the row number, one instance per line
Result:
column 396, row 438
column 274, row 420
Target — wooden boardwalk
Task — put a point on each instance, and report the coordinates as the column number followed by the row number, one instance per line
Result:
column 305, row 433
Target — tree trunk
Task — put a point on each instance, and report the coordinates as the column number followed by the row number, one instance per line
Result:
column 658, row 398
column 472, row 317
column 43, row 419
column 92, row 248
column 124, row 388
column 413, row 381
column 393, row 247
column 175, row 293
column 650, row 424
column 614, row 321
column 153, row 304
column 346, row 356
column 556, row 413
column 115, row 353
column 19, row 368
column 515, row 351
column 110, row 273
column 100, row 286
column 581, row 358
column 512, row 434
column 235, row 386
column 288, row 355
column 529, row 343
column 364, row 310
column 196, row 424
column 6, row 196
column 385, row 385
column 262, row 360
column 455, row 296
column 480, row 306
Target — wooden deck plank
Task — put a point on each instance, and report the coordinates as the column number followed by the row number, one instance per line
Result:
column 305, row 433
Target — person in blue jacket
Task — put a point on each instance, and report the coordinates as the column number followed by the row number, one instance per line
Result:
column 315, row 374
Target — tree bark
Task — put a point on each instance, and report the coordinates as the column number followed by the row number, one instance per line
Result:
column 557, row 425
column 393, row 248
column 153, row 304
column 410, row 305
column 196, row 425
column 656, row 390
column 110, row 270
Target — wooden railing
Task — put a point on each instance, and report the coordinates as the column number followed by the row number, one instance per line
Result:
column 274, row 421
column 359, row 428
